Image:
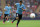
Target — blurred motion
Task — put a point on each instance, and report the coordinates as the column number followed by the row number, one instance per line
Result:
column 32, row 12
column 32, row 6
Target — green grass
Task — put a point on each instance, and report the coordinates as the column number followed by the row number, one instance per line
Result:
column 23, row 23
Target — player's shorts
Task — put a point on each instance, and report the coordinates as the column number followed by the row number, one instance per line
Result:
column 19, row 15
column 6, row 15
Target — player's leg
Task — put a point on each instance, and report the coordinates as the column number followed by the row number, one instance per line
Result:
column 15, row 18
column 4, row 18
column 17, row 23
column 7, row 17
column 20, row 17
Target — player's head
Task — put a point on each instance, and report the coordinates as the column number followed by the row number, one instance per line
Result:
column 20, row 2
column 8, row 4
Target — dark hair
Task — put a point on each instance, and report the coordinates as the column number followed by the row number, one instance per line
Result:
column 8, row 3
column 21, row 1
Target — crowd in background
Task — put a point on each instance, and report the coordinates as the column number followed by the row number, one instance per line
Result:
column 31, row 6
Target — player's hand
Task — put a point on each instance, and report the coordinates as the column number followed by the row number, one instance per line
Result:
column 5, row 10
column 23, row 9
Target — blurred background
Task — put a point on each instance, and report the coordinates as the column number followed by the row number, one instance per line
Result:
column 31, row 6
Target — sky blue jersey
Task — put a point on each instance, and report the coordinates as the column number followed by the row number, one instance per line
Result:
column 7, row 9
column 0, row 13
column 19, row 8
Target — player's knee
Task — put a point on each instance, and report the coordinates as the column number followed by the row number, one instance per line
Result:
column 17, row 18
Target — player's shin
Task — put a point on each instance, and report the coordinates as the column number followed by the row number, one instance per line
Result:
column 13, row 20
column 4, row 21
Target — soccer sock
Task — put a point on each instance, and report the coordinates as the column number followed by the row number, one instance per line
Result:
column 4, row 19
column 14, row 19
column 18, row 22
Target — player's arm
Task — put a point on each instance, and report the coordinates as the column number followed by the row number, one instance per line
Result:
column 5, row 9
column 24, row 8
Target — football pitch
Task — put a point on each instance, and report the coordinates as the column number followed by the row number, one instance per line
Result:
column 23, row 23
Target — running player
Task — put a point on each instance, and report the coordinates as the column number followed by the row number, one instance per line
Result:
column 7, row 10
column 1, row 14
column 20, row 7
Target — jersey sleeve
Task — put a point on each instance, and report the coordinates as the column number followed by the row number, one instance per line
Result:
column 24, row 7
column 5, row 7
column 16, row 4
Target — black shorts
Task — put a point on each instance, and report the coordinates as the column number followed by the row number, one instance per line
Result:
column 19, row 15
column 6, row 15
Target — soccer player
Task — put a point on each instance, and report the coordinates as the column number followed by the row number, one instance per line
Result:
column 0, row 14
column 20, row 7
column 7, row 10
